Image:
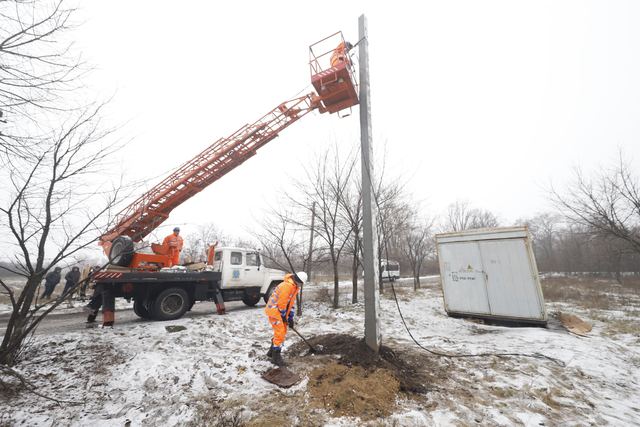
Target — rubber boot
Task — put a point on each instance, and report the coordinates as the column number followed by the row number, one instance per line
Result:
column 276, row 357
column 107, row 318
column 91, row 318
column 270, row 352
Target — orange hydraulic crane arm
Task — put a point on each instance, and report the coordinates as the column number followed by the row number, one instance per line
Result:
column 152, row 208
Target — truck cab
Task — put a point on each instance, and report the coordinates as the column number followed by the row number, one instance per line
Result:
column 243, row 268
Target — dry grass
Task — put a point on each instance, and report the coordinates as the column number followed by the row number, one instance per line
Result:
column 208, row 412
column 592, row 293
column 603, row 299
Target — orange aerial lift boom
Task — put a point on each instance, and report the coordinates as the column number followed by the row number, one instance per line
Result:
column 332, row 76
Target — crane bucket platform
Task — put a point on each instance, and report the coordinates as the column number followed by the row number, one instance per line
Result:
column 333, row 73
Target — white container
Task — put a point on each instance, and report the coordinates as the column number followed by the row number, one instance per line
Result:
column 491, row 273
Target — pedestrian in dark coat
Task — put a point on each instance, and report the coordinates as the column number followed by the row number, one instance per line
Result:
column 51, row 280
column 72, row 278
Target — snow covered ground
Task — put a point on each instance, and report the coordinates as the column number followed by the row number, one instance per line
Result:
column 209, row 373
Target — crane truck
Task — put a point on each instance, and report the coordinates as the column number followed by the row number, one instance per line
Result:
column 232, row 274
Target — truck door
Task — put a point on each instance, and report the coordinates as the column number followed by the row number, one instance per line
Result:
column 218, row 265
column 252, row 270
column 234, row 270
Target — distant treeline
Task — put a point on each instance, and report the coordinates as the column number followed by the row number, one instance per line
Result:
column 4, row 274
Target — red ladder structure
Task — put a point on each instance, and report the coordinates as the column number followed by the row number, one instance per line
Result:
column 337, row 90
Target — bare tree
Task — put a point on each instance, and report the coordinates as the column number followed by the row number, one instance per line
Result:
column 55, row 201
column 567, row 246
column 281, row 239
column 614, row 250
column 37, row 69
column 544, row 229
column 197, row 242
column 461, row 216
column 282, row 243
column 484, row 219
column 352, row 205
column 54, row 211
column 608, row 202
column 394, row 216
column 418, row 246
column 326, row 184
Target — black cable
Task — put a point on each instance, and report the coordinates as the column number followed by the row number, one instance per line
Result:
column 461, row 355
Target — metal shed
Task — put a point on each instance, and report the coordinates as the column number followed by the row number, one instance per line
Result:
column 491, row 273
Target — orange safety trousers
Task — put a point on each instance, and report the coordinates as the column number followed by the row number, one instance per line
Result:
column 279, row 330
column 174, row 254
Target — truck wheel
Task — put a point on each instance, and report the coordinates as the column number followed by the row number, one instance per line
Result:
column 140, row 310
column 121, row 251
column 170, row 304
column 251, row 299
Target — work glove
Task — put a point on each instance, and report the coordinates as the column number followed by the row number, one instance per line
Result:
column 290, row 319
column 283, row 315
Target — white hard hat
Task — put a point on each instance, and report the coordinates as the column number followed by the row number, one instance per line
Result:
column 302, row 276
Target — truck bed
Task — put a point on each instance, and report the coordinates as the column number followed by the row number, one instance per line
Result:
column 109, row 276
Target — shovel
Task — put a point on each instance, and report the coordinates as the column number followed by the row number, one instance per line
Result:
column 312, row 350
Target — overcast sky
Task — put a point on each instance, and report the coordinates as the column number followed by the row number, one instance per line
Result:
column 486, row 101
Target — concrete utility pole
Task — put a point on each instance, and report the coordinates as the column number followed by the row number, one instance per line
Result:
column 369, row 238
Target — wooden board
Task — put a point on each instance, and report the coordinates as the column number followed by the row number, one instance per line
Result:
column 574, row 324
column 282, row 377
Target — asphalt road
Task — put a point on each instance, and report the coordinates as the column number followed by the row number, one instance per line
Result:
column 76, row 321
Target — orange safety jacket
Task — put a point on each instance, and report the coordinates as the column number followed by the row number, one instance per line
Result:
column 174, row 242
column 339, row 55
column 282, row 298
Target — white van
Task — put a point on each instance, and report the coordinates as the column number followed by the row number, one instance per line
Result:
column 390, row 270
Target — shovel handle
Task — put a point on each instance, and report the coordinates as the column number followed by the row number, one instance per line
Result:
column 303, row 339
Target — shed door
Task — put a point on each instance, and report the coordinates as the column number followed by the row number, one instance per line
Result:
column 463, row 279
column 511, row 286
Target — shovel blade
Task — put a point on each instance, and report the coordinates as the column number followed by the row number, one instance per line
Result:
column 282, row 377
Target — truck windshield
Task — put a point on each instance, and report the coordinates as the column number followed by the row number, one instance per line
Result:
column 252, row 260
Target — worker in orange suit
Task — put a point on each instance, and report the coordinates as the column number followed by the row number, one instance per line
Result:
column 280, row 310
column 174, row 242
column 341, row 54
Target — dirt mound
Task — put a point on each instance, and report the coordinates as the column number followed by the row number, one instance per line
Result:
column 407, row 369
column 353, row 391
